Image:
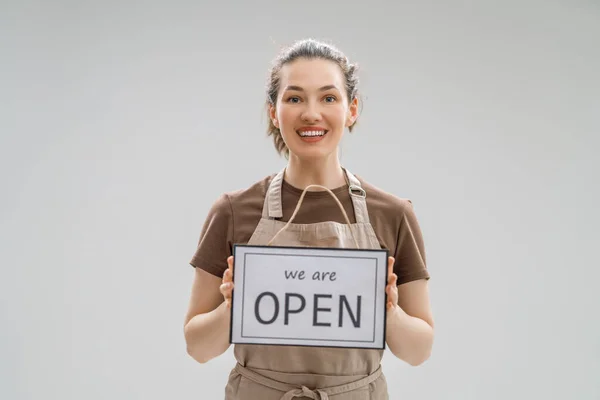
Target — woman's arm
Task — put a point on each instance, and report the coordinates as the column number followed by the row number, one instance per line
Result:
column 206, row 326
column 410, row 327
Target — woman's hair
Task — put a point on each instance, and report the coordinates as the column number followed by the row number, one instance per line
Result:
column 307, row 49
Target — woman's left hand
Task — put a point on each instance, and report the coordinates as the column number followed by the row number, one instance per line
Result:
column 392, row 287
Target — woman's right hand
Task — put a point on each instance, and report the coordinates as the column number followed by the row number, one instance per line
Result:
column 226, row 287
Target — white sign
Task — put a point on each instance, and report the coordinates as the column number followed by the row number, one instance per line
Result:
column 309, row 296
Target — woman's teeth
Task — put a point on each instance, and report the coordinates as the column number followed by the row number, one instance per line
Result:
column 312, row 133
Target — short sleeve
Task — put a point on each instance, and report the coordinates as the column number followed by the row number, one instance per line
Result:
column 216, row 238
column 410, row 261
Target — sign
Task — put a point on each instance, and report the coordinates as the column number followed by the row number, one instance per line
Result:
column 306, row 296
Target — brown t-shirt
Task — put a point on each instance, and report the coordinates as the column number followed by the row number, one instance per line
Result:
column 234, row 216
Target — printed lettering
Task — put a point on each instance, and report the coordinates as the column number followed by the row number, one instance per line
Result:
column 321, row 276
column 289, row 311
column 344, row 302
column 294, row 274
column 256, row 308
column 316, row 309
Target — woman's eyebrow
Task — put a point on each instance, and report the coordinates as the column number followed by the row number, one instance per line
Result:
column 300, row 89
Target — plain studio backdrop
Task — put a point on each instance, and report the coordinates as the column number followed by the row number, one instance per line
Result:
column 122, row 122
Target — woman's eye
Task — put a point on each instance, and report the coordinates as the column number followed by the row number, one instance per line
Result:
column 330, row 99
column 293, row 100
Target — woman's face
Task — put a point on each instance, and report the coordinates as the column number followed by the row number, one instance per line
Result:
column 312, row 109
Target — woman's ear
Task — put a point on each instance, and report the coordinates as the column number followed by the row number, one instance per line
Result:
column 273, row 115
column 352, row 112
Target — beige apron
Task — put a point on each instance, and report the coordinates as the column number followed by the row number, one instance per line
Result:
column 296, row 372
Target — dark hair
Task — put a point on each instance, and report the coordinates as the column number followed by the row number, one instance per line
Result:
column 307, row 49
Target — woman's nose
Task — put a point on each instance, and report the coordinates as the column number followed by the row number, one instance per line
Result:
column 311, row 113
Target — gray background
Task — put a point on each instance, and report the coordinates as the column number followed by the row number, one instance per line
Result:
column 121, row 123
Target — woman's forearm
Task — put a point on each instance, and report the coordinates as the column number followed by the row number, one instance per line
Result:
column 409, row 338
column 207, row 335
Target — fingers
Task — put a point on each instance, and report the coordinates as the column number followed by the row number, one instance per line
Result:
column 392, row 287
column 226, row 290
column 392, row 293
column 392, row 277
column 228, row 276
column 226, row 287
column 390, row 268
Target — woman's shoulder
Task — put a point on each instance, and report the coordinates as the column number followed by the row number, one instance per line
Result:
column 384, row 201
column 257, row 189
column 251, row 196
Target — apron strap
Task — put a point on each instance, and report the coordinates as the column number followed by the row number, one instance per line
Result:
column 272, row 207
column 359, row 198
column 291, row 392
column 298, row 208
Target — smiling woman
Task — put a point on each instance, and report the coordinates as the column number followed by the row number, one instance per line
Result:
column 313, row 112
column 312, row 89
column 311, row 100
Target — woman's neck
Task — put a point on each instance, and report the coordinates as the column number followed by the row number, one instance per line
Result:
column 325, row 172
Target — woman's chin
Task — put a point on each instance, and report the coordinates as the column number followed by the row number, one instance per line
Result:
column 313, row 154
column 314, row 148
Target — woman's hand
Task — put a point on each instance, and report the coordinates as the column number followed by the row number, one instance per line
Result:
column 392, row 288
column 409, row 333
column 226, row 287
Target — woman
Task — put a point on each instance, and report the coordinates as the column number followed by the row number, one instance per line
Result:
column 312, row 99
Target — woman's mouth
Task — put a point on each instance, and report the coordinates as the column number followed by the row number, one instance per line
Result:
column 312, row 136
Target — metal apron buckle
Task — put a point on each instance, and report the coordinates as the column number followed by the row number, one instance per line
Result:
column 353, row 189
